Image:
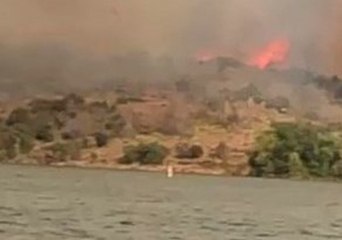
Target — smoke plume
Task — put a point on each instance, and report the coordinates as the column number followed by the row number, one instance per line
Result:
column 82, row 40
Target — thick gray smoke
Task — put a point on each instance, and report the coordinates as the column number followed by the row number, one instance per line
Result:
column 178, row 26
column 75, row 41
column 237, row 27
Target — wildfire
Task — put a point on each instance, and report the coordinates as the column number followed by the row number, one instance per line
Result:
column 274, row 52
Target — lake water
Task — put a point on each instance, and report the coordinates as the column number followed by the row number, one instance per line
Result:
column 49, row 204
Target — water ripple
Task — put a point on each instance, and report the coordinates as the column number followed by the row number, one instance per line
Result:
column 149, row 206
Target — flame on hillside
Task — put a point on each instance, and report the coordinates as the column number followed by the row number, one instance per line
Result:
column 274, row 52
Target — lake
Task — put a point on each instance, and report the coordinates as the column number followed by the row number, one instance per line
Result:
column 53, row 203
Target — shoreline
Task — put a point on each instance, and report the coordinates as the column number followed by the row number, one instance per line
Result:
column 162, row 170
column 123, row 168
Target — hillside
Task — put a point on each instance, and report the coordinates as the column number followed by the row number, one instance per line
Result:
column 212, row 129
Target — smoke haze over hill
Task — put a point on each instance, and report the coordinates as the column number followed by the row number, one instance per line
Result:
column 45, row 39
column 231, row 27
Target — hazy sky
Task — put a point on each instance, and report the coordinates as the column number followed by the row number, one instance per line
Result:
column 232, row 27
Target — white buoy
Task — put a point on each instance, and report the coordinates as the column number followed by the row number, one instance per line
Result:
column 169, row 171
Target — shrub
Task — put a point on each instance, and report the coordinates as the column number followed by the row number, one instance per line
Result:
column 26, row 142
column 71, row 134
column 293, row 149
column 10, row 144
column 14, row 140
column 221, row 151
column 101, row 139
column 145, row 154
column 45, row 134
column 88, row 142
column 115, row 124
column 66, row 150
column 278, row 103
column 22, row 128
column 59, row 151
column 296, row 166
column 18, row 116
column 190, row 151
column 44, row 105
column 42, row 125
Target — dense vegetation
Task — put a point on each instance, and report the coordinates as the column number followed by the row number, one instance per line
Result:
column 297, row 150
column 59, row 124
column 144, row 154
column 14, row 141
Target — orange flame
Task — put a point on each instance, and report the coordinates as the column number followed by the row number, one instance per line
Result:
column 275, row 52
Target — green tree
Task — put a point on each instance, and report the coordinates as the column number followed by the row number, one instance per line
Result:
column 293, row 149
